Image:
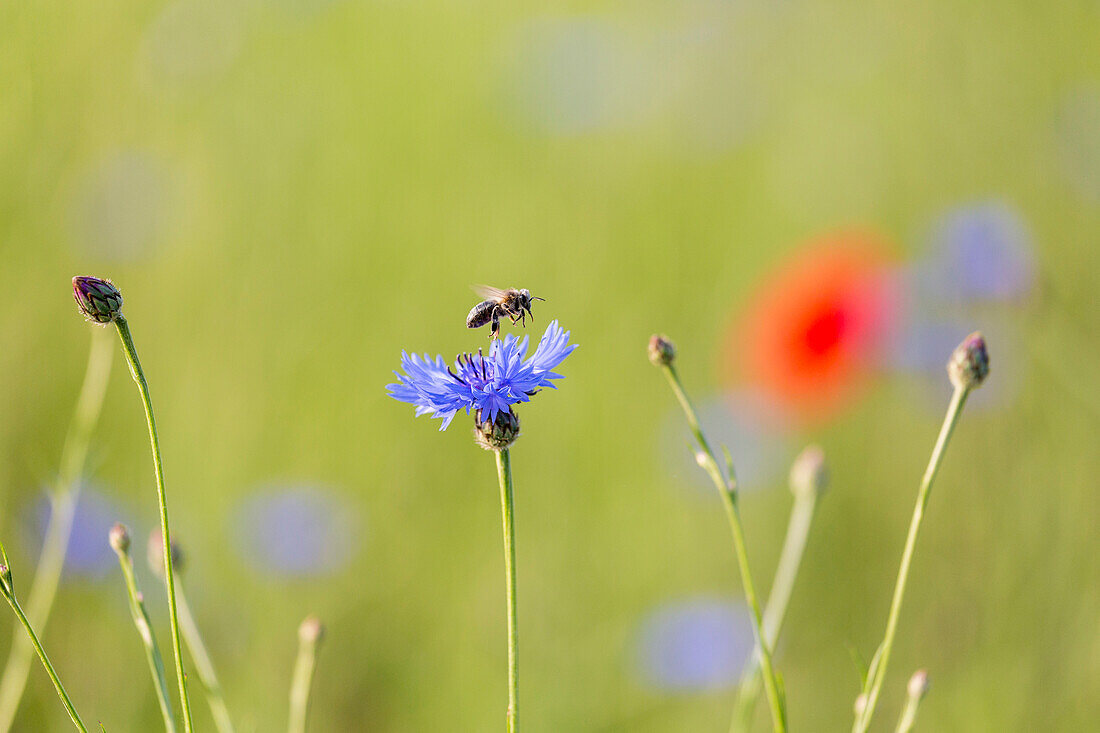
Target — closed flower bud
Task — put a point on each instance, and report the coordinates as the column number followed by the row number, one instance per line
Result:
column 661, row 350
column 860, row 705
column 809, row 474
column 98, row 300
column 498, row 434
column 156, row 555
column 311, row 630
column 969, row 363
column 918, row 684
column 119, row 537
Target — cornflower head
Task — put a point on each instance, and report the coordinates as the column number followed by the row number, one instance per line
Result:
column 489, row 385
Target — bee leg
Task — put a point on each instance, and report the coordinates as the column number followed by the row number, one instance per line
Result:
column 495, row 327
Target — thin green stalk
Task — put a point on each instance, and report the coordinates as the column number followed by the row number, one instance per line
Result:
column 877, row 673
column 794, row 545
column 908, row 719
column 143, row 387
column 727, row 490
column 148, row 641
column 63, row 501
column 504, row 475
column 309, row 635
column 201, row 657
column 9, row 596
column 915, row 692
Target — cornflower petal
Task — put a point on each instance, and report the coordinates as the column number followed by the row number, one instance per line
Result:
column 488, row 384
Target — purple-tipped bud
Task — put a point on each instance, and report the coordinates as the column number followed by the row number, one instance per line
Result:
column 98, row 299
column 661, row 350
column 809, row 474
column 155, row 552
column 311, row 630
column 918, row 684
column 498, row 434
column 969, row 363
column 119, row 537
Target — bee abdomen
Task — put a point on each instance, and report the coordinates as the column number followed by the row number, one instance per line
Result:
column 480, row 314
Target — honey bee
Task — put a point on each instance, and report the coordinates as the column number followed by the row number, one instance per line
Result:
column 511, row 303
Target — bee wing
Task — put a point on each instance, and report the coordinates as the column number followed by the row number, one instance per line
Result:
column 489, row 293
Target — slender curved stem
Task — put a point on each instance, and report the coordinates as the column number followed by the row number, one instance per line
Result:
column 301, row 684
column 877, row 673
column 10, row 598
column 794, row 545
column 63, row 503
column 504, row 474
column 148, row 641
column 203, row 665
column 143, row 387
column 908, row 719
column 727, row 490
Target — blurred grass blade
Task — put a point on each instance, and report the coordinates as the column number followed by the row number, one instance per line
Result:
column 790, row 558
column 148, row 641
column 203, row 665
column 7, row 589
column 63, row 502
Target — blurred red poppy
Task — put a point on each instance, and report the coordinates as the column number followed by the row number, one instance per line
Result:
column 811, row 334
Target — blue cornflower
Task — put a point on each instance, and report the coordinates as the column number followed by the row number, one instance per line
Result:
column 489, row 385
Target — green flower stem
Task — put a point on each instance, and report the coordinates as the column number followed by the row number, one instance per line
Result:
column 908, row 719
column 152, row 651
column 877, row 673
column 62, row 511
column 10, row 598
column 794, row 545
column 504, row 474
column 301, row 684
column 201, row 657
column 143, row 388
column 727, row 490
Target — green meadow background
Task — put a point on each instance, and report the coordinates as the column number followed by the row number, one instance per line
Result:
column 291, row 193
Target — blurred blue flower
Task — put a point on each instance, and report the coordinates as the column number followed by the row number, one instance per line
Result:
column 980, row 251
column 695, row 644
column 295, row 531
column 88, row 553
column 490, row 384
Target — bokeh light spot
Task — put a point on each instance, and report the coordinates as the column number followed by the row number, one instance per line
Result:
column 980, row 251
column 1078, row 140
column 120, row 206
column 577, row 75
column 88, row 553
column 815, row 328
column 192, row 40
column 695, row 644
column 296, row 531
